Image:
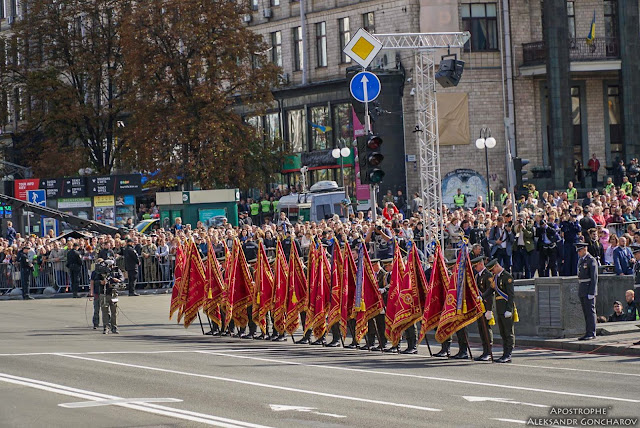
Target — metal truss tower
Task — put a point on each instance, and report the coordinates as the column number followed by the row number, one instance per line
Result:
column 424, row 46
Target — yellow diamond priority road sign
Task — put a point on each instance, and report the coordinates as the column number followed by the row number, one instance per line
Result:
column 363, row 48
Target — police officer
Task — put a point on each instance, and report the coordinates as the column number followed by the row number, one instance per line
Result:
column 483, row 281
column 74, row 264
column 459, row 199
column 505, row 307
column 587, row 288
column 26, row 271
column 131, row 263
column 109, row 281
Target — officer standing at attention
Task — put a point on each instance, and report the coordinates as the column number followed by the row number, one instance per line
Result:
column 459, row 199
column 505, row 307
column 483, row 281
column 463, row 345
column 587, row 289
column 131, row 263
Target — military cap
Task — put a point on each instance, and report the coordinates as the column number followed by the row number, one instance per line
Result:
column 374, row 261
column 635, row 249
column 491, row 263
column 581, row 245
column 221, row 259
column 477, row 260
column 386, row 261
column 450, row 262
column 252, row 260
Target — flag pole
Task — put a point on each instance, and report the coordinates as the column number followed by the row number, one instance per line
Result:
column 428, row 346
column 466, row 337
column 378, row 334
column 200, row 319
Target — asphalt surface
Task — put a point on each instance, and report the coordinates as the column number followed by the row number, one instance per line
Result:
column 56, row 371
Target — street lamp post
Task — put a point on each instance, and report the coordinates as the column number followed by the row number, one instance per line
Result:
column 341, row 154
column 486, row 141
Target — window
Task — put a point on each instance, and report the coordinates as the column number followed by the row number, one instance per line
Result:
column 275, row 2
column 2, row 14
column 297, row 49
column 571, row 19
column 256, row 123
column 276, row 48
column 296, row 127
column 254, row 4
column 272, row 126
column 342, row 129
column 321, row 43
column 611, row 26
column 576, row 120
column 368, row 22
column 345, row 36
column 481, row 20
column 320, row 117
column 615, row 122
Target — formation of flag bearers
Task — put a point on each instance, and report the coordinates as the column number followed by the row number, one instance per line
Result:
column 341, row 291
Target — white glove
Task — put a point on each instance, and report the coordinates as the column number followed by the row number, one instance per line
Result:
column 381, row 290
column 479, row 298
column 507, row 314
column 488, row 315
column 591, row 296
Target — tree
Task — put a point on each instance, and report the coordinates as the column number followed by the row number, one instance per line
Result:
column 192, row 66
column 65, row 62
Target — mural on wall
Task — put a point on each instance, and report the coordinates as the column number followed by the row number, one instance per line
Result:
column 469, row 181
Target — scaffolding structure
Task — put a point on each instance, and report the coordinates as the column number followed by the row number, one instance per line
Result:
column 424, row 46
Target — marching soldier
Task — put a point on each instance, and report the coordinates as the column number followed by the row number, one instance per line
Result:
column 483, row 281
column 375, row 326
column 505, row 307
column 587, row 288
column 463, row 344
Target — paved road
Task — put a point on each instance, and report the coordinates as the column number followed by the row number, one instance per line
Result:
column 55, row 371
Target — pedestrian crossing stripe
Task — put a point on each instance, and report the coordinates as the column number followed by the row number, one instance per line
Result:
column 363, row 47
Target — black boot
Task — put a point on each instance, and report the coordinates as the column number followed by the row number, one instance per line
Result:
column 462, row 354
column 444, row 352
column 486, row 355
column 506, row 357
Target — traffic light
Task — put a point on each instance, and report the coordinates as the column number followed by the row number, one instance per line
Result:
column 369, row 158
column 518, row 163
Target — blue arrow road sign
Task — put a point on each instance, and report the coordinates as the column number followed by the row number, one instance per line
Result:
column 365, row 87
column 37, row 197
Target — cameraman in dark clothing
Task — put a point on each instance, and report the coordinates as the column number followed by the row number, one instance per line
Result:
column 74, row 264
column 131, row 262
column 108, row 279
column 26, row 270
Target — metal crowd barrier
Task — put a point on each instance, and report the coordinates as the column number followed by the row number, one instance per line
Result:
column 620, row 229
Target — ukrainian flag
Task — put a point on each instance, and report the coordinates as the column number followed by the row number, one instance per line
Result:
column 320, row 128
column 592, row 30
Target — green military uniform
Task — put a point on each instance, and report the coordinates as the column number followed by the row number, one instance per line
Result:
column 483, row 281
column 505, row 308
column 149, row 264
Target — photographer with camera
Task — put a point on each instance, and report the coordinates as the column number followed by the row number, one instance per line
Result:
column 107, row 277
column 26, row 271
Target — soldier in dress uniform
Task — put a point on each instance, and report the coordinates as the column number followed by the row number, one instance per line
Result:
column 148, row 262
column 505, row 308
column 463, row 344
column 375, row 327
column 587, row 288
column 483, row 281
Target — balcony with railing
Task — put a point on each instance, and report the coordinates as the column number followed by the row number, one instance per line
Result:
column 579, row 50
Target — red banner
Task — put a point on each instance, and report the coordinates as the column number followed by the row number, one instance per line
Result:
column 350, row 273
column 436, row 292
column 371, row 298
column 239, row 288
column 298, row 297
column 393, row 321
column 281, row 290
column 176, row 303
column 215, row 287
column 263, row 300
column 338, row 310
column 320, row 302
column 195, row 286
column 453, row 319
column 313, row 268
column 420, row 280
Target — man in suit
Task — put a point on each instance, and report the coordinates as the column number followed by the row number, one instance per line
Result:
column 622, row 258
column 587, row 289
column 74, row 264
column 501, row 240
column 505, row 308
column 131, row 263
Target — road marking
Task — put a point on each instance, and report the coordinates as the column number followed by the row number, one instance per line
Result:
column 181, row 351
column 144, row 407
column 516, row 421
column 96, row 403
column 285, row 408
column 441, row 379
column 575, row 370
column 262, row 385
column 473, row 399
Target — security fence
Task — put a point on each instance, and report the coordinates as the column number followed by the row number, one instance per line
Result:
column 153, row 272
